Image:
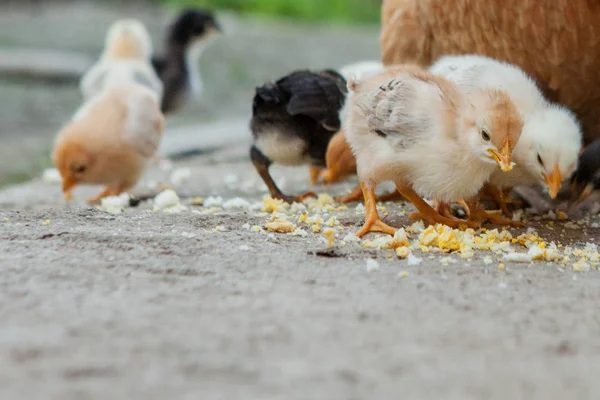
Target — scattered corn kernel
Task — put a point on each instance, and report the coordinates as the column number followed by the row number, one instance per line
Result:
column 329, row 234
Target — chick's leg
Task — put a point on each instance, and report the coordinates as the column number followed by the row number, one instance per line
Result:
column 445, row 210
column 498, row 197
column 392, row 196
column 372, row 221
column 357, row 194
column 429, row 214
column 262, row 163
column 479, row 215
column 315, row 172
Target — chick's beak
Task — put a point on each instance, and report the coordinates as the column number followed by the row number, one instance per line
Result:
column 67, row 186
column 502, row 157
column 553, row 182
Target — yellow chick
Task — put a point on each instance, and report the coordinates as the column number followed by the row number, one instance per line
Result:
column 109, row 140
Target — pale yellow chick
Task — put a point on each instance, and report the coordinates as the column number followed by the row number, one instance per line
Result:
column 419, row 131
column 109, row 140
column 126, row 59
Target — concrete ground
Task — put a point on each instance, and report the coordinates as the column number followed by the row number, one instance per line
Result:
column 194, row 305
column 155, row 305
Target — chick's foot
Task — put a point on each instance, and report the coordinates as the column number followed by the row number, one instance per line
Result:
column 372, row 221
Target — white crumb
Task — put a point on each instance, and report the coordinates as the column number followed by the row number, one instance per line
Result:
column 237, row 202
column 114, row 204
column 487, row 260
column 188, row 235
column 244, row 247
column 413, row 260
column 351, row 237
column 168, row 201
column 166, row 198
column 300, row 232
column 180, row 175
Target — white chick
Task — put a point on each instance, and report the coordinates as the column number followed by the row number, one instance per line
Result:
column 109, row 140
column 126, row 59
column 418, row 130
column 550, row 143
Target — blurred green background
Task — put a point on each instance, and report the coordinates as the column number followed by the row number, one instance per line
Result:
column 311, row 10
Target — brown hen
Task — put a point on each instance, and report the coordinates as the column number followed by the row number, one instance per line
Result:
column 556, row 42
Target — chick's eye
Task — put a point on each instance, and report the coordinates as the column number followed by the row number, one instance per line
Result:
column 80, row 169
column 539, row 158
column 485, row 135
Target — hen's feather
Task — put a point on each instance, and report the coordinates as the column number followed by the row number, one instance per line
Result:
column 556, row 42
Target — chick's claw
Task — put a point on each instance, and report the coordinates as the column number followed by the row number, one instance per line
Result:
column 372, row 221
column 479, row 215
column 375, row 225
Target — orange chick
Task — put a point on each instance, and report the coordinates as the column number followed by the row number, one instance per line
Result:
column 109, row 140
column 339, row 160
column 554, row 42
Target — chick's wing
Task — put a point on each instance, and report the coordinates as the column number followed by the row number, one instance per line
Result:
column 143, row 122
column 403, row 109
column 317, row 96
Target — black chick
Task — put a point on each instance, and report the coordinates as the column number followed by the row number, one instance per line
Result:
column 587, row 177
column 293, row 121
column 187, row 37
